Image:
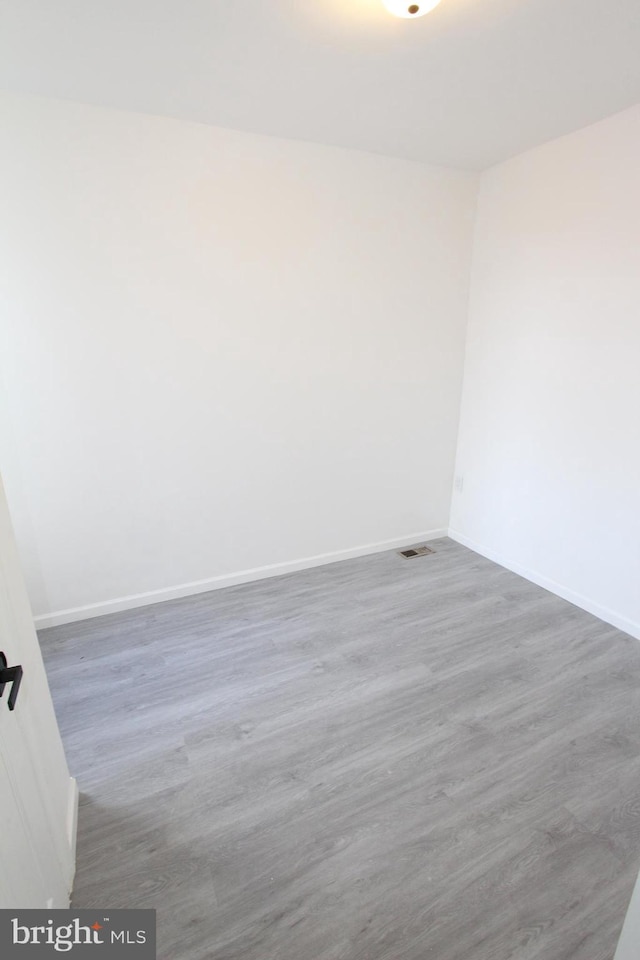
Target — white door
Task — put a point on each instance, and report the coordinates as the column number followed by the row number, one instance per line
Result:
column 38, row 798
column 629, row 943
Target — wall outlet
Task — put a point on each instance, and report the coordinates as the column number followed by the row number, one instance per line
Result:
column 458, row 483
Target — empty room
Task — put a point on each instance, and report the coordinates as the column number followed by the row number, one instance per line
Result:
column 320, row 450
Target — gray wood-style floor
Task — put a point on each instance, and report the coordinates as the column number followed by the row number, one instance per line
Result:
column 381, row 759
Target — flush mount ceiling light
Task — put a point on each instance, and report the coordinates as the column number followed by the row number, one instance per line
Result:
column 403, row 8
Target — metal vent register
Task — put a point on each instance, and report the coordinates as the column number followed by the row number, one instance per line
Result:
column 411, row 552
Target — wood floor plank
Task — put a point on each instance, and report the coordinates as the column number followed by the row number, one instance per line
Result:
column 379, row 759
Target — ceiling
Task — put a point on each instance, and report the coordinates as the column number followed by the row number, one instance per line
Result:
column 470, row 84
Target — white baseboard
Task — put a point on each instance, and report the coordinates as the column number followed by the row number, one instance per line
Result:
column 227, row 580
column 604, row 613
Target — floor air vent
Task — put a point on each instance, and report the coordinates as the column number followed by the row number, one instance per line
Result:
column 411, row 552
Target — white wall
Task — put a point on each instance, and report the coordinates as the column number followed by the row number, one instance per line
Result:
column 220, row 351
column 549, row 446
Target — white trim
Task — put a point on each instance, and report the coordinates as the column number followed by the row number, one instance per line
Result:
column 73, row 800
column 227, row 580
column 72, row 817
column 604, row 613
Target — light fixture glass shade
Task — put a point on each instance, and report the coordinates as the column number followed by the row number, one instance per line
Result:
column 409, row 10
